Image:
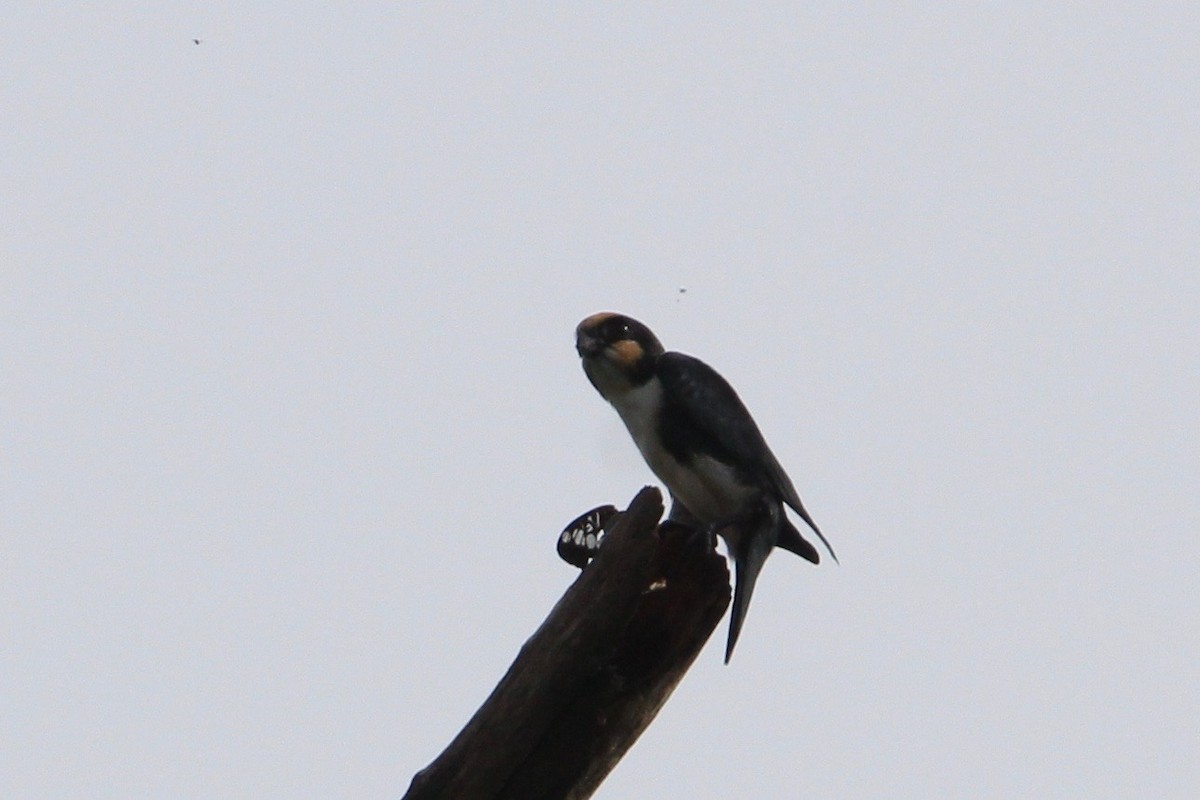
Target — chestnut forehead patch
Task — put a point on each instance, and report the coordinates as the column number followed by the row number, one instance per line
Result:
column 595, row 321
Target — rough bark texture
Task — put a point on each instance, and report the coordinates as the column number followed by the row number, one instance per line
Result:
column 595, row 674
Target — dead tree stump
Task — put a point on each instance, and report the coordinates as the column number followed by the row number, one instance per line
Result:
column 596, row 672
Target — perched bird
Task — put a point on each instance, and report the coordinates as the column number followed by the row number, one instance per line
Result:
column 699, row 439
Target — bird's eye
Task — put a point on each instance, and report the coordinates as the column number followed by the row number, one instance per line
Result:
column 626, row 331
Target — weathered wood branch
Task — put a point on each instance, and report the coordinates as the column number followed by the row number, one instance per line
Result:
column 596, row 672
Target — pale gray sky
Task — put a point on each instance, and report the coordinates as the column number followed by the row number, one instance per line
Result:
column 291, row 414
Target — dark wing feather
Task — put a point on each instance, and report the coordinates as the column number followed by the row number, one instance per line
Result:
column 700, row 401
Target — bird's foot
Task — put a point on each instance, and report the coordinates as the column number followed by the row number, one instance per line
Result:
column 700, row 537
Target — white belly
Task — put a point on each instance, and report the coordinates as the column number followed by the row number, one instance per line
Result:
column 706, row 487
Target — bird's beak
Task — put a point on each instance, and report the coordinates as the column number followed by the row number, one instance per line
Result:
column 587, row 345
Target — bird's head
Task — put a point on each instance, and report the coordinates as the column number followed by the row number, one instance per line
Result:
column 618, row 352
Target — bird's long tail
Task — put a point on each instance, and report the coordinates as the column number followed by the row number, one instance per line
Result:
column 790, row 539
column 752, row 551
